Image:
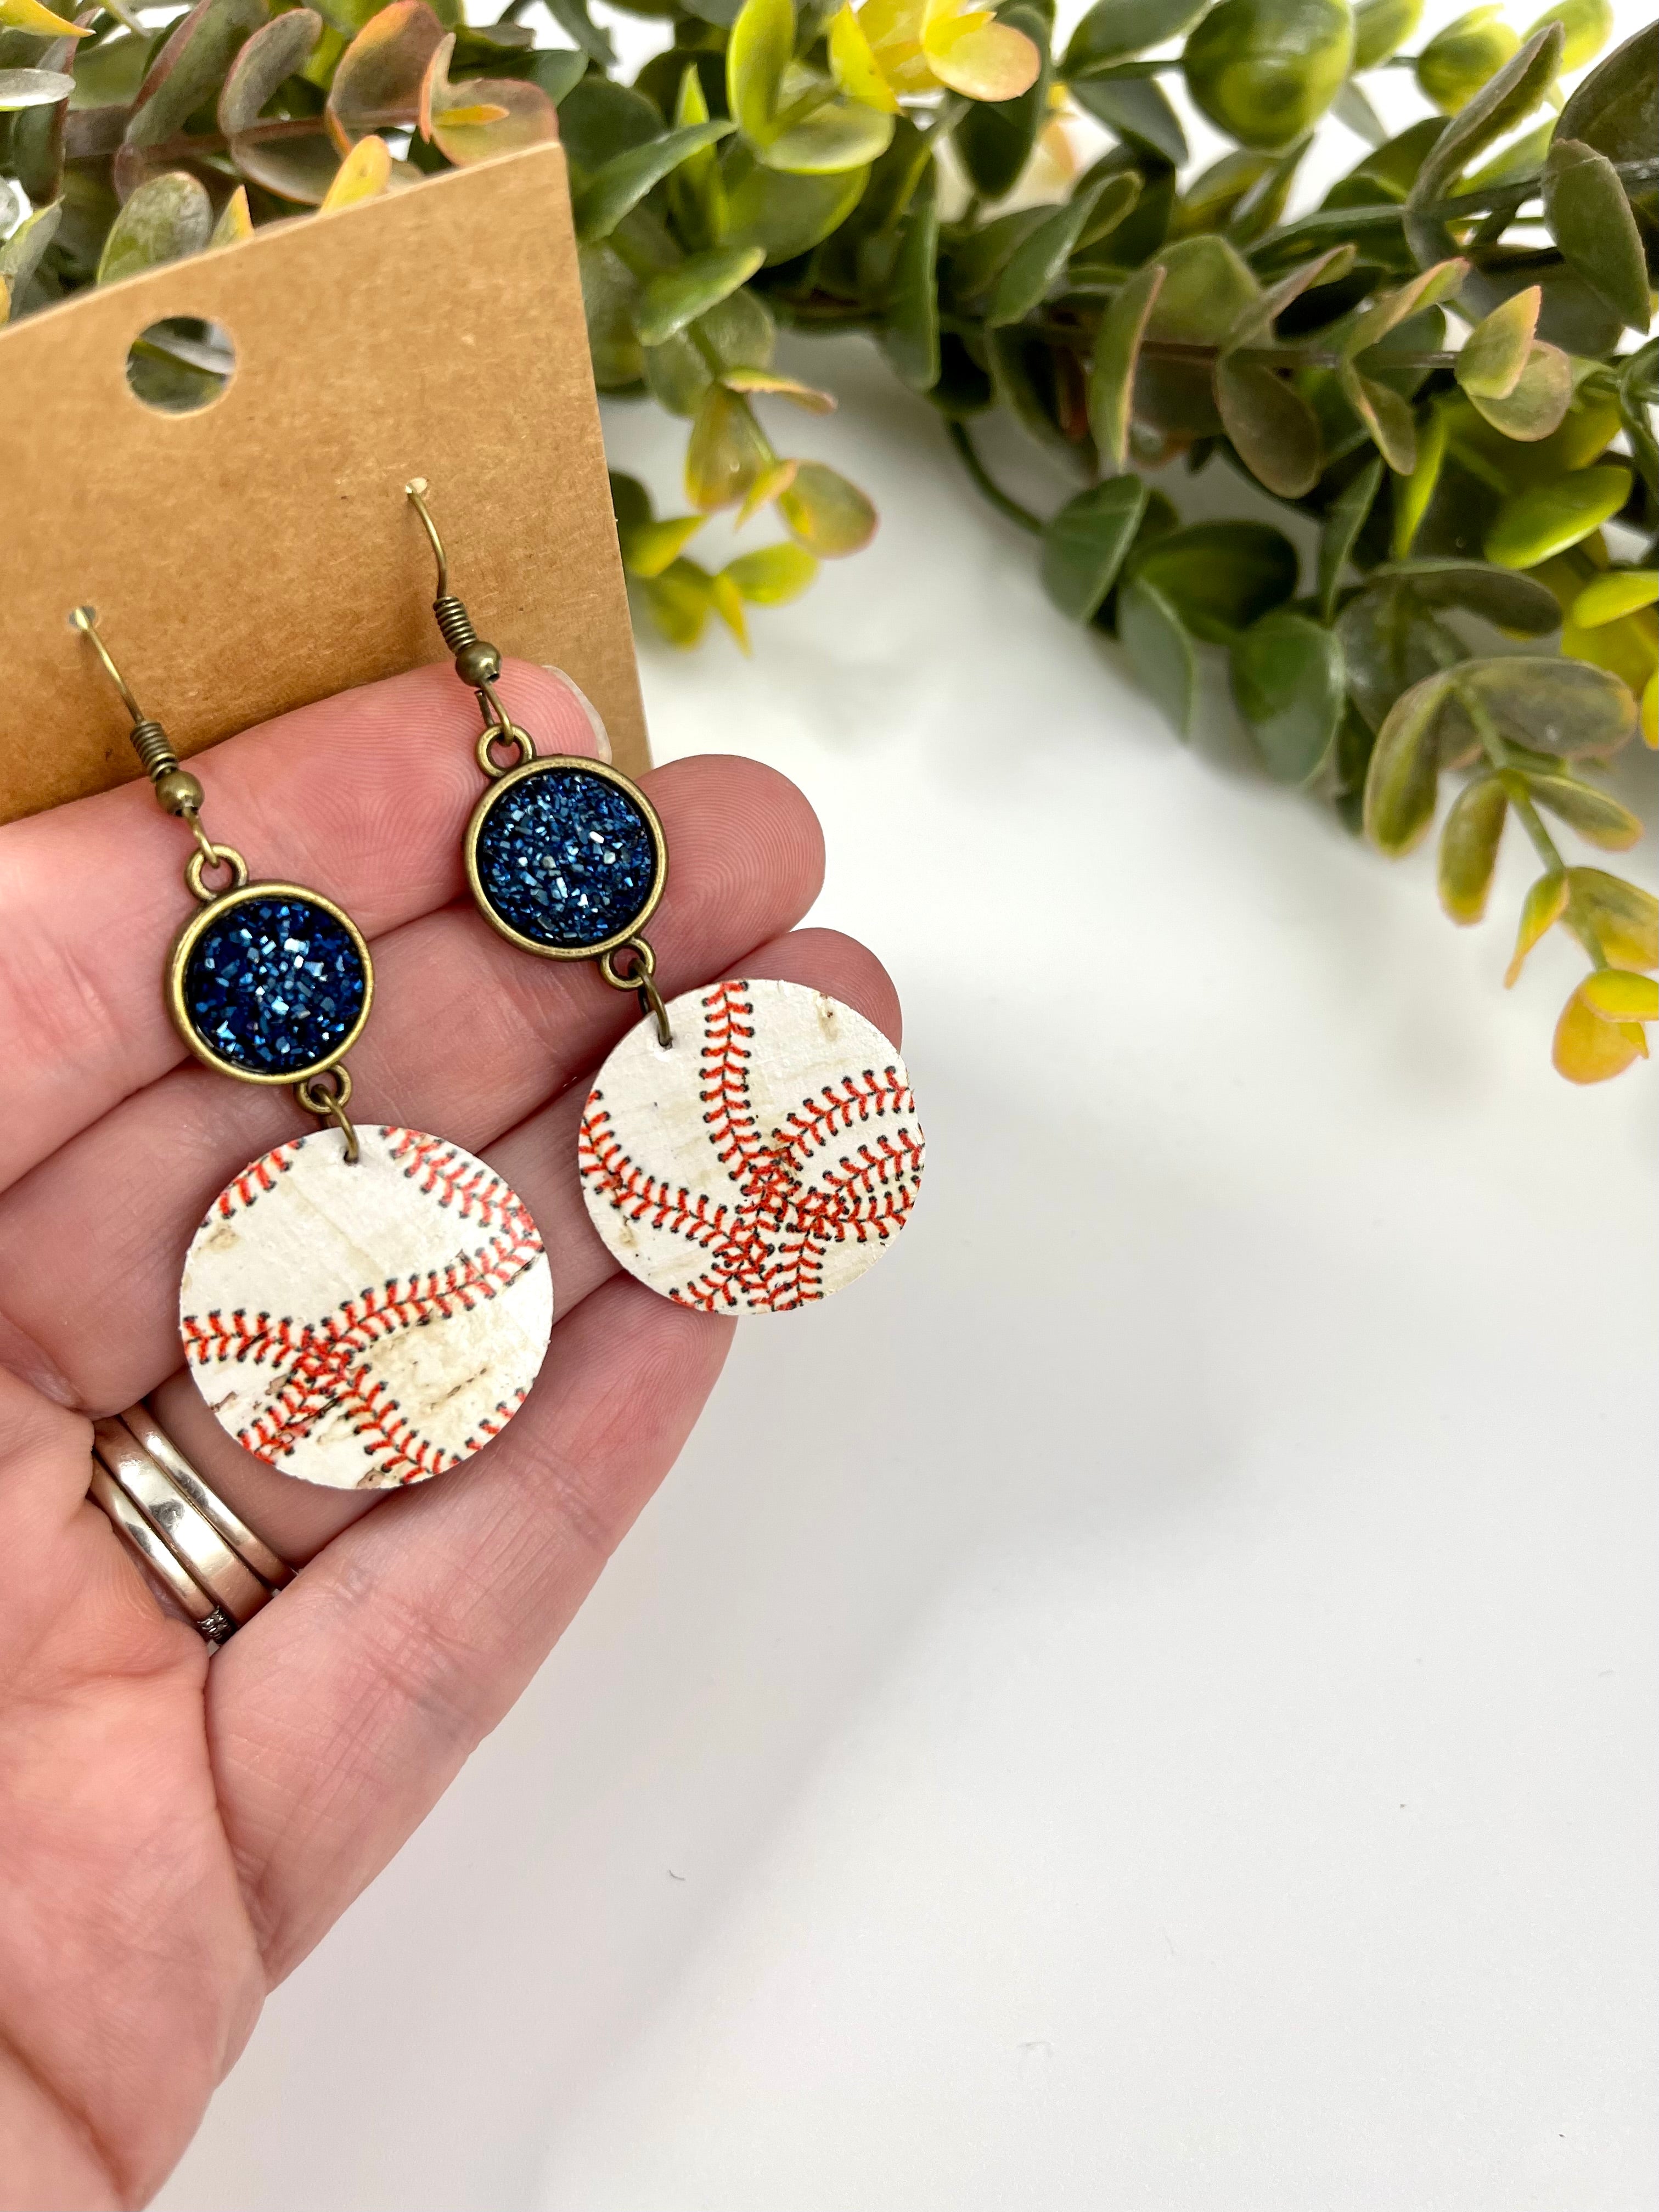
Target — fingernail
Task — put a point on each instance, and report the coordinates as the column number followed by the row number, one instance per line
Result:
column 601, row 735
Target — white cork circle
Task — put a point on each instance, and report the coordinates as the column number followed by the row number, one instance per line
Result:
column 764, row 1159
column 366, row 1324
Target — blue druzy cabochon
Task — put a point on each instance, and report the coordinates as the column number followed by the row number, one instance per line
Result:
column 274, row 984
column 566, row 858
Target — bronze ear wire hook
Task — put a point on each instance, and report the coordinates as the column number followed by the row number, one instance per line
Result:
column 477, row 663
column 176, row 789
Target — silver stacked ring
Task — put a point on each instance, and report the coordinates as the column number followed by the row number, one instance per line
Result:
column 204, row 1556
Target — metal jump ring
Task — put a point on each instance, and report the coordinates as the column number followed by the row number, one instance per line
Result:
column 209, row 855
column 330, row 1105
column 642, row 977
column 500, row 733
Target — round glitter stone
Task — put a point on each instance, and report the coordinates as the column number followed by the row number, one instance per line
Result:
column 275, row 984
column 566, row 858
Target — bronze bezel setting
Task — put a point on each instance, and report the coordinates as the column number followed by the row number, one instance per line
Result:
column 215, row 911
column 564, row 763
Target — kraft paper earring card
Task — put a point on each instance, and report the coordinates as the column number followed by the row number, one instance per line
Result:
column 260, row 543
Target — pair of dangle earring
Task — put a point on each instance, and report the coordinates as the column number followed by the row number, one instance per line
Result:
column 749, row 1147
column 361, row 1307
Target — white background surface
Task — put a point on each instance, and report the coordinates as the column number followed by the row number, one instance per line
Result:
column 1196, row 1752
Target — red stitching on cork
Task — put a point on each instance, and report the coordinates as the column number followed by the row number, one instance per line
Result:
column 770, row 1249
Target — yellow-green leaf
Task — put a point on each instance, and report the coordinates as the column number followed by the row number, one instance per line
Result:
column 1412, row 493
column 1588, row 25
column 758, row 51
column 853, row 61
column 680, row 602
column 28, row 15
column 363, row 175
column 829, row 515
column 1540, row 400
column 1381, row 28
column 1620, row 592
column 235, row 222
column 1541, row 908
column 1264, row 71
column 1593, row 813
column 726, row 451
column 727, row 603
column 1458, row 61
column 766, row 385
column 1623, row 918
column 833, row 137
column 1468, row 847
column 771, row 483
column 649, row 547
column 1496, row 348
column 1546, row 519
column 1617, row 995
column 773, row 574
column 1590, row 1049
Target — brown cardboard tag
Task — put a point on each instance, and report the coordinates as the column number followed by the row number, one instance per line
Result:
column 260, row 553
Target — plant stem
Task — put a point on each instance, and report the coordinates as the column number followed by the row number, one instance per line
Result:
column 988, row 484
column 1497, row 757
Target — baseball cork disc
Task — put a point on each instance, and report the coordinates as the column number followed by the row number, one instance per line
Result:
column 366, row 1324
column 766, row 1156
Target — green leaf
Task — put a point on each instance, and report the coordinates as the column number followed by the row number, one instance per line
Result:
column 21, row 254
column 168, row 217
column 1136, row 108
column 678, row 296
column 773, row 574
column 910, row 334
column 1616, row 108
column 1273, row 429
column 995, row 137
column 787, row 215
column 1264, row 71
column 1468, row 847
column 1614, row 593
column 1391, row 641
column 1591, row 220
column 1085, row 544
column 760, row 49
column 1458, row 61
column 1206, row 288
column 1545, row 519
column 1495, row 110
column 829, row 515
column 1343, row 524
column 739, row 332
column 1498, row 596
column 622, row 182
column 33, row 87
column 1496, row 349
column 1404, row 779
column 1039, row 261
column 1412, row 494
column 1540, row 401
column 1220, row 577
column 1381, row 28
column 187, row 72
column 1593, row 813
column 573, row 18
column 598, row 120
column 677, row 372
column 1114, row 30
column 1287, row 680
column 1160, row 652
column 1546, row 702
column 609, row 292
column 1117, row 349
column 1386, row 415
column 297, row 168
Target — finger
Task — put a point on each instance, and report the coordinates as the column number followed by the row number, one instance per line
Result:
column 538, row 1159
column 341, row 1713
column 363, row 797
column 470, row 1034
